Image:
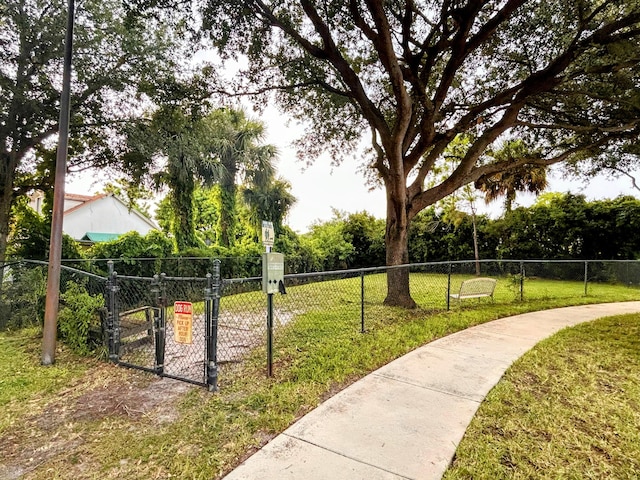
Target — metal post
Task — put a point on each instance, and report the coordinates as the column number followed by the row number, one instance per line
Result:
column 212, row 309
column 586, row 276
column 159, row 321
column 55, row 242
column 449, row 287
column 113, row 316
column 522, row 281
column 362, row 302
column 269, row 334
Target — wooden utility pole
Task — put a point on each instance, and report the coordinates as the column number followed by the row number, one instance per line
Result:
column 55, row 243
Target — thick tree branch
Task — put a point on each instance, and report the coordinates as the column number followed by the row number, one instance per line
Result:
column 271, row 88
column 390, row 62
column 581, row 128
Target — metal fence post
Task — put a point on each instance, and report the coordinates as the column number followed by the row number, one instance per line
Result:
column 159, row 321
column 586, row 276
column 522, row 281
column 269, row 334
column 449, row 287
column 362, row 301
column 113, row 317
column 212, row 309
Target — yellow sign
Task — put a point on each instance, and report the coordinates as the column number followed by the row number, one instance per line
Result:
column 183, row 322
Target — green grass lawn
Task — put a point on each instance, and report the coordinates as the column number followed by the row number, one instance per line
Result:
column 200, row 435
column 569, row 408
column 22, row 378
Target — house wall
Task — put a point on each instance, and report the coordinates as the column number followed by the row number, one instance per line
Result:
column 36, row 199
column 104, row 215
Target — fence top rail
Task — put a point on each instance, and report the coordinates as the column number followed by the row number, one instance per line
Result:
column 149, row 259
column 228, row 281
column 62, row 267
column 185, row 279
column 163, row 277
column 346, row 272
column 133, row 277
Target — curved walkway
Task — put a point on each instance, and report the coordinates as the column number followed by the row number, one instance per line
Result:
column 405, row 420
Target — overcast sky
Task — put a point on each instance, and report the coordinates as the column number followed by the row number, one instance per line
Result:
column 320, row 187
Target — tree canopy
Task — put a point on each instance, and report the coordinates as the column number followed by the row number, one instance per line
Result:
column 560, row 75
column 116, row 58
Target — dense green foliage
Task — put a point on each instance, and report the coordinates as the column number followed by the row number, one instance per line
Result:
column 558, row 226
column 22, row 297
column 567, row 226
column 30, row 233
column 118, row 59
column 79, row 323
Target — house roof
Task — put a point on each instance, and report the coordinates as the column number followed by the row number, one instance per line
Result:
column 78, row 198
column 85, row 199
column 100, row 237
column 91, row 199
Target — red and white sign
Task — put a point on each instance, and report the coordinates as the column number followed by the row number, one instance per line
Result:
column 183, row 322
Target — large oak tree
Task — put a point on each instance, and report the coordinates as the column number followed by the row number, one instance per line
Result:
column 562, row 75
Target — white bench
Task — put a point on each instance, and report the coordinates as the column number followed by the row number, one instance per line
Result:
column 475, row 288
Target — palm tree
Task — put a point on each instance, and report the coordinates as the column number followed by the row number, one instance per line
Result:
column 221, row 147
column 236, row 146
column 271, row 202
column 179, row 138
column 526, row 178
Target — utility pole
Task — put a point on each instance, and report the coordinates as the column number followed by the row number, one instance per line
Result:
column 55, row 243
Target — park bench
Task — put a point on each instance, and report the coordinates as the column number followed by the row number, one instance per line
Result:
column 475, row 288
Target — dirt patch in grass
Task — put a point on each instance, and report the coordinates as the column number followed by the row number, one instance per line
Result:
column 61, row 425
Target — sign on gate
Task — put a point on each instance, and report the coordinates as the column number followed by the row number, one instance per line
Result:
column 183, row 322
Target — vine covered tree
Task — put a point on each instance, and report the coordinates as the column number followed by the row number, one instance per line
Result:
column 562, row 75
column 237, row 147
column 176, row 142
column 182, row 145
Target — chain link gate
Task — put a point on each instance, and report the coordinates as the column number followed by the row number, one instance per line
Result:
column 165, row 325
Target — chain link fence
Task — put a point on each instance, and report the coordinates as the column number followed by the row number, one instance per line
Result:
column 23, row 289
column 139, row 320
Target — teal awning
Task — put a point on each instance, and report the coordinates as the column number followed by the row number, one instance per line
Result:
column 100, row 237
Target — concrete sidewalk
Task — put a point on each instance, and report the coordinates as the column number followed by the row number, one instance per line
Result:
column 405, row 420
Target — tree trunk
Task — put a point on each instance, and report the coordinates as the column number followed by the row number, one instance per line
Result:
column 476, row 252
column 7, row 174
column 227, row 213
column 5, row 210
column 227, row 216
column 182, row 187
column 397, row 245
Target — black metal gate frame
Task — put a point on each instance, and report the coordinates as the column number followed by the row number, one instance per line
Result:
column 212, row 294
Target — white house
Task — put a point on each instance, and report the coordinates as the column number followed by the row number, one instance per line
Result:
column 97, row 218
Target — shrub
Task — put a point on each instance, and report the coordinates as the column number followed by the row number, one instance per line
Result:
column 79, row 318
column 22, row 297
column 138, row 253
